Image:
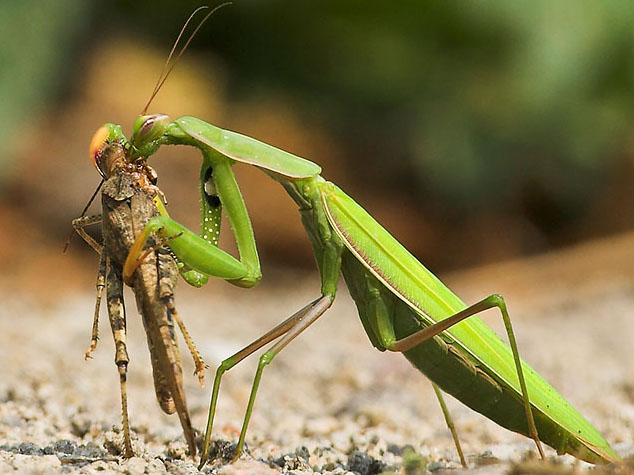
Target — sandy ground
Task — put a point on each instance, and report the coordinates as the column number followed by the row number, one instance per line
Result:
column 330, row 403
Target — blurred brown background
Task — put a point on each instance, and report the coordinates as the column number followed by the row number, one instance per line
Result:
column 474, row 134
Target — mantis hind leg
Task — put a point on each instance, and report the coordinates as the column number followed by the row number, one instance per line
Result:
column 450, row 425
column 376, row 307
column 492, row 301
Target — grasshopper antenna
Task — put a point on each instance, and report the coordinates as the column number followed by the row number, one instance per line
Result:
column 167, row 68
column 92, row 198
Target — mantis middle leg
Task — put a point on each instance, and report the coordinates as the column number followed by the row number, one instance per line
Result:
column 330, row 256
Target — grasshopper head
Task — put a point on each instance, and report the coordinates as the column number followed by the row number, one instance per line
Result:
column 147, row 129
column 107, row 149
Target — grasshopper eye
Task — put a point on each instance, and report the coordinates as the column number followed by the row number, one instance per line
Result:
column 97, row 144
column 108, row 149
column 148, row 128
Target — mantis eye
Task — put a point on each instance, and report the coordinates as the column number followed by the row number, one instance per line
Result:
column 97, row 144
column 148, row 128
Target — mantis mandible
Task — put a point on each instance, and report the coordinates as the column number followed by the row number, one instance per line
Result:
column 403, row 306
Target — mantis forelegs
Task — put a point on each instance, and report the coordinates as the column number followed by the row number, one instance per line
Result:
column 199, row 256
column 190, row 248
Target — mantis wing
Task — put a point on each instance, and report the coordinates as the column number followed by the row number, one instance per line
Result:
column 248, row 150
column 410, row 281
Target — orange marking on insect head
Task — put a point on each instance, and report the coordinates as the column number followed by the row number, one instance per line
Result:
column 97, row 143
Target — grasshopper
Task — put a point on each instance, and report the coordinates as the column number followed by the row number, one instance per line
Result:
column 130, row 198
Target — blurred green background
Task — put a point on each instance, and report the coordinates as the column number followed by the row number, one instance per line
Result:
column 476, row 131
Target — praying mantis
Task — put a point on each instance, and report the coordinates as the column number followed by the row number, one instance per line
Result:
column 403, row 306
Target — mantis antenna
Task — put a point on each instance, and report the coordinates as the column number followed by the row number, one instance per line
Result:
column 167, row 68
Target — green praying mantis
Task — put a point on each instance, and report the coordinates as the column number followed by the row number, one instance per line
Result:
column 403, row 306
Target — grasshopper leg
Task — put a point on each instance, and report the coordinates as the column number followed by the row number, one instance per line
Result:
column 161, row 335
column 491, row 301
column 116, row 313
column 166, row 289
column 78, row 226
column 161, row 385
column 101, row 283
column 199, row 364
column 80, row 223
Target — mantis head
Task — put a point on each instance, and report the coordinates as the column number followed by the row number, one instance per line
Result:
column 146, row 133
column 110, row 149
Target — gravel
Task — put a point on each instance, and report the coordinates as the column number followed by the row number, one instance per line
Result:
column 329, row 403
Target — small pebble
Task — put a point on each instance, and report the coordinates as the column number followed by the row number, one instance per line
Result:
column 135, row 466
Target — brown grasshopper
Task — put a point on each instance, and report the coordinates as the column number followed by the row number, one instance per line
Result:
column 129, row 199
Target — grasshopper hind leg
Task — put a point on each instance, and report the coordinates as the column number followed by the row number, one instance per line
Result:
column 167, row 280
column 116, row 314
column 163, row 343
column 161, row 386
